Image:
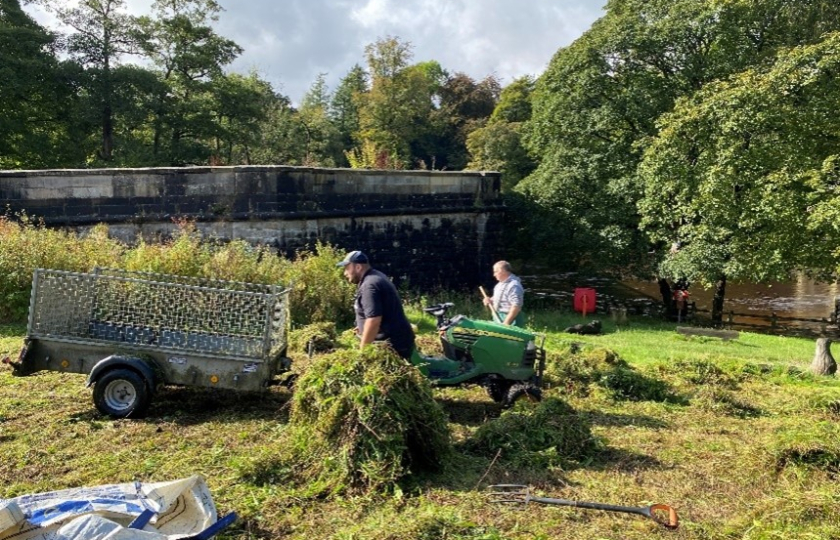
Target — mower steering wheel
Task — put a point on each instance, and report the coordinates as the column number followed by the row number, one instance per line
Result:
column 438, row 309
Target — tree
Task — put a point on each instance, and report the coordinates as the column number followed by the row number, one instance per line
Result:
column 396, row 110
column 747, row 171
column 344, row 109
column 189, row 56
column 598, row 99
column 463, row 106
column 240, row 104
column 597, row 107
column 323, row 147
column 34, row 94
column 102, row 34
column 282, row 137
column 823, row 363
column 498, row 145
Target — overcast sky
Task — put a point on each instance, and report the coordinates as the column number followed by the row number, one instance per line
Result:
column 289, row 42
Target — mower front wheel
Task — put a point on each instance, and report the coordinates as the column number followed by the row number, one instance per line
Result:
column 498, row 389
column 522, row 392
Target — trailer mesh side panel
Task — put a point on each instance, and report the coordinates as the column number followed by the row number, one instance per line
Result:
column 139, row 309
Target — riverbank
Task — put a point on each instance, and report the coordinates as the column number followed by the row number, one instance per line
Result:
column 737, row 436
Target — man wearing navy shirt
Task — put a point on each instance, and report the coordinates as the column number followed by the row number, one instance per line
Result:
column 379, row 312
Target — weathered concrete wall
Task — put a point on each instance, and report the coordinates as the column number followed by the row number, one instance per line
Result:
column 429, row 228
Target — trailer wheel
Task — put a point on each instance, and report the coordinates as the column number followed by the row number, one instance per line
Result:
column 522, row 392
column 121, row 393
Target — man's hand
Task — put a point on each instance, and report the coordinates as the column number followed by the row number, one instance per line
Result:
column 487, row 300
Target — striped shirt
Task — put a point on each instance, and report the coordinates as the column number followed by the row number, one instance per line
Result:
column 508, row 293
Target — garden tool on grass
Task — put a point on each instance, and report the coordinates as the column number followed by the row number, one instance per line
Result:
column 518, row 493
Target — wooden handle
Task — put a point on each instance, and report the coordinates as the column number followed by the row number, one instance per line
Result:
column 496, row 316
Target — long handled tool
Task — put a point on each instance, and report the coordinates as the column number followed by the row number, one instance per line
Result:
column 517, row 493
column 496, row 316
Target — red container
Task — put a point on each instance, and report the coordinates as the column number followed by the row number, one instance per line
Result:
column 584, row 300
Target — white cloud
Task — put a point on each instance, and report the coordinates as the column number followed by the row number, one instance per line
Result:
column 289, row 42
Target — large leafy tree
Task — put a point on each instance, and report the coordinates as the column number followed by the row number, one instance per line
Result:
column 240, row 104
column 101, row 34
column 36, row 95
column 497, row 146
column 597, row 107
column 395, row 111
column 463, row 106
column 344, row 107
column 748, row 171
column 282, row 137
column 598, row 99
column 189, row 56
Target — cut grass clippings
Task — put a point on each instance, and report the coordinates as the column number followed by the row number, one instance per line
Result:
column 360, row 422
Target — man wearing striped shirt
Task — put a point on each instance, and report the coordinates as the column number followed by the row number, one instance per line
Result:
column 508, row 295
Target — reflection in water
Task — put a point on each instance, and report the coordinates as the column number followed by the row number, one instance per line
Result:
column 801, row 297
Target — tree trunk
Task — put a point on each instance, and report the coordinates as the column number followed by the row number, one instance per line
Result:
column 823, row 363
column 667, row 299
column 717, row 302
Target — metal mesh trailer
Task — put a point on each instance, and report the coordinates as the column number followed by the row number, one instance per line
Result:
column 166, row 329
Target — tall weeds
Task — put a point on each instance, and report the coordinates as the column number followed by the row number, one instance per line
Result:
column 320, row 292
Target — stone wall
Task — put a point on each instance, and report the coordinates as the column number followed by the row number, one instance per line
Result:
column 429, row 229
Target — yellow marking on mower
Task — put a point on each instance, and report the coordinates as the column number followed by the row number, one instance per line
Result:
column 476, row 332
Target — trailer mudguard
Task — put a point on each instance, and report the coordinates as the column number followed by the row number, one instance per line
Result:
column 140, row 366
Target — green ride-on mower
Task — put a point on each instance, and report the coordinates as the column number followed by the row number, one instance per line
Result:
column 506, row 360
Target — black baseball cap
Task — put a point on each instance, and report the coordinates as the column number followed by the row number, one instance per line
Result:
column 356, row 257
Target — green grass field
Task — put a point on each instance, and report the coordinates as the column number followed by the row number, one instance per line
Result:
column 747, row 447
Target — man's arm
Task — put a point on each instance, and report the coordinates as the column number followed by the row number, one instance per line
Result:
column 370, row 330
column 516, row 297
column 511, row 315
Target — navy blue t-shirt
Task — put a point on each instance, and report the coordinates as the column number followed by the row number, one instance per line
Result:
column 377, row 297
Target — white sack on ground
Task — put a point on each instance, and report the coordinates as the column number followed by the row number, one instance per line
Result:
column 182, row 508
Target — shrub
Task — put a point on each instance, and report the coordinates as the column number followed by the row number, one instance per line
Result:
column 184, row 254
column 319, row 290
column 26, row 245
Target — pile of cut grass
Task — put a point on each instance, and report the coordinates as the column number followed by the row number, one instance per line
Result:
column 549, row 434
column 583, row 370
column 360, row 422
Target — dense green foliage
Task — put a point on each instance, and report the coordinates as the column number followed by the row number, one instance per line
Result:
column 690, row 139
column 675, row 138
column 125, row 91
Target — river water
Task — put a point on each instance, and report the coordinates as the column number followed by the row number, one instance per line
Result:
column 752, row 304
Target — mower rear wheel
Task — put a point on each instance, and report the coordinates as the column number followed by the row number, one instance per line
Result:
column 498, row 389
column 522, row 392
